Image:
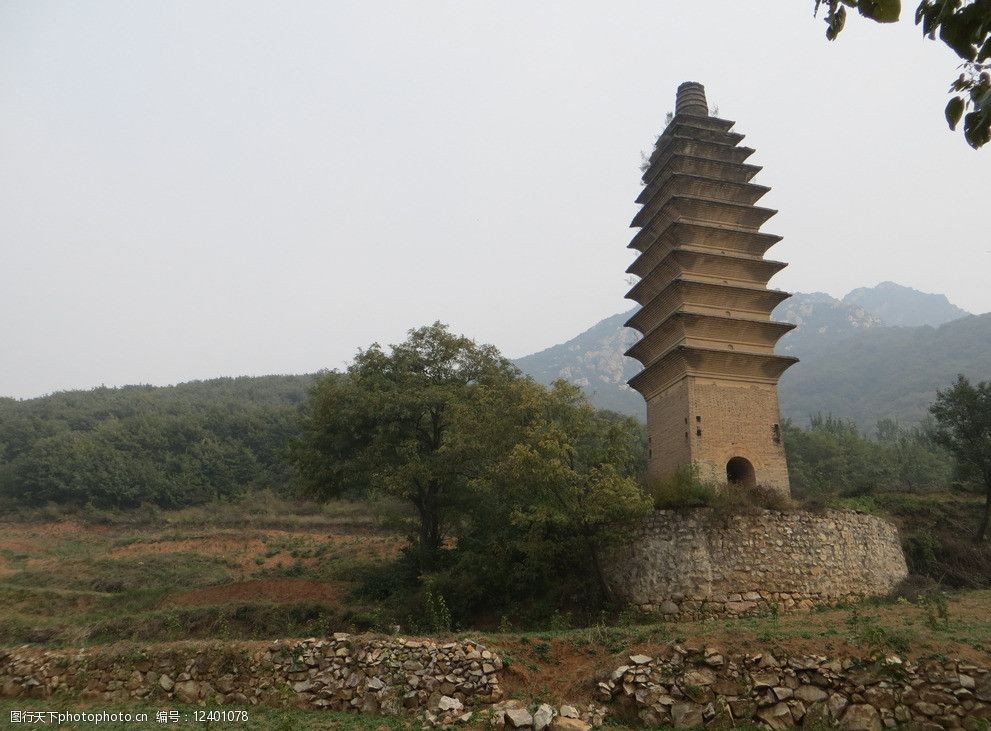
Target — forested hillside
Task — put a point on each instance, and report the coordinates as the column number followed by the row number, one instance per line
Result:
column 170, row 446
column 885, row 373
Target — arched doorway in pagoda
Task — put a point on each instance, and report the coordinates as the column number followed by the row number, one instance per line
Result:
column 739, row 471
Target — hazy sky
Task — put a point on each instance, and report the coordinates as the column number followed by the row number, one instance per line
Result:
column 194, row 189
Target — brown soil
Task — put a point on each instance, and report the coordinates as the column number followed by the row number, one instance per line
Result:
column 262, row 590
column 243, row 549
column 29, row 538
column 240, row 550
column 565, row 668
column 567, row 675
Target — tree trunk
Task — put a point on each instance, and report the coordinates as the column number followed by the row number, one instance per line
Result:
column 600, row 577
column 983, row 530
column 429, row 528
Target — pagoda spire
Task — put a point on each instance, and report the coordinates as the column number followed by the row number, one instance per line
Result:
column 691, row 100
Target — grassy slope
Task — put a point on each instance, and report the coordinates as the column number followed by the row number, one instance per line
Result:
column 937, row 535
column 266, row 568
column 260, row 569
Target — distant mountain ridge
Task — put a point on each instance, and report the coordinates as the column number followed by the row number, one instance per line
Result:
column 830, row 336
column 593, row 360
column 817, row 315
column 903, row 306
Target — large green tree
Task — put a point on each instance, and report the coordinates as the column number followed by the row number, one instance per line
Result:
column 544, row 515
column 517, row 489
column 394, row 423
column 964, row 26
column 963, row 426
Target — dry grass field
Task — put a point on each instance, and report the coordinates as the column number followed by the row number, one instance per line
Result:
column 267, row 568
column 261, row 568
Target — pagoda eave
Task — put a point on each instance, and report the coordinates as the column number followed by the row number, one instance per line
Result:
column 702, row 122
column 714, row 331
column 683, row 361
column 706, row 235
column 726, row 171
column 698, row 134
column 706, row 298
column 694, row 148
column 720, row 214
column 687, row 185
column 716, row 268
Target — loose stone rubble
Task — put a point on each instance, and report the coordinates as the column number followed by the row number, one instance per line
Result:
column 345, row 672
column 686, row 688
column 516, row 714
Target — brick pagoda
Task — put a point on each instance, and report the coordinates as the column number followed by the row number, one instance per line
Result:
column 710, row 373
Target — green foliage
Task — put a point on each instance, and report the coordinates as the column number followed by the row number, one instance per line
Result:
column 834, row 458
column 963, row 418
column 438, row 615
column 921, row 554
column 937, row 610
column 172, row 447
column 935, row 532
column 868, row 632
column 683, row 488
column 538, row 522
column 517, row 488
column 964, row 26
column 528, row 535
column 397, row 423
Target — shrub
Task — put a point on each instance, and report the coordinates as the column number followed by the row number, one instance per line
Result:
column 682, row 488
column 961, row 563
column 685, row 489
column 736, row 499
column 861, row 503
column 438, row 616
column 920, row 554
column 915, row 588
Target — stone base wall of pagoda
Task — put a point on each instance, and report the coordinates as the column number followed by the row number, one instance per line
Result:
column 725, row 420
column 698, row 563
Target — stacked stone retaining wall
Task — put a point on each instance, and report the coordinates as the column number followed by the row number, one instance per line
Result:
column 699, row 563
column 443, row 683
column 692, row 688
column 343, row 672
